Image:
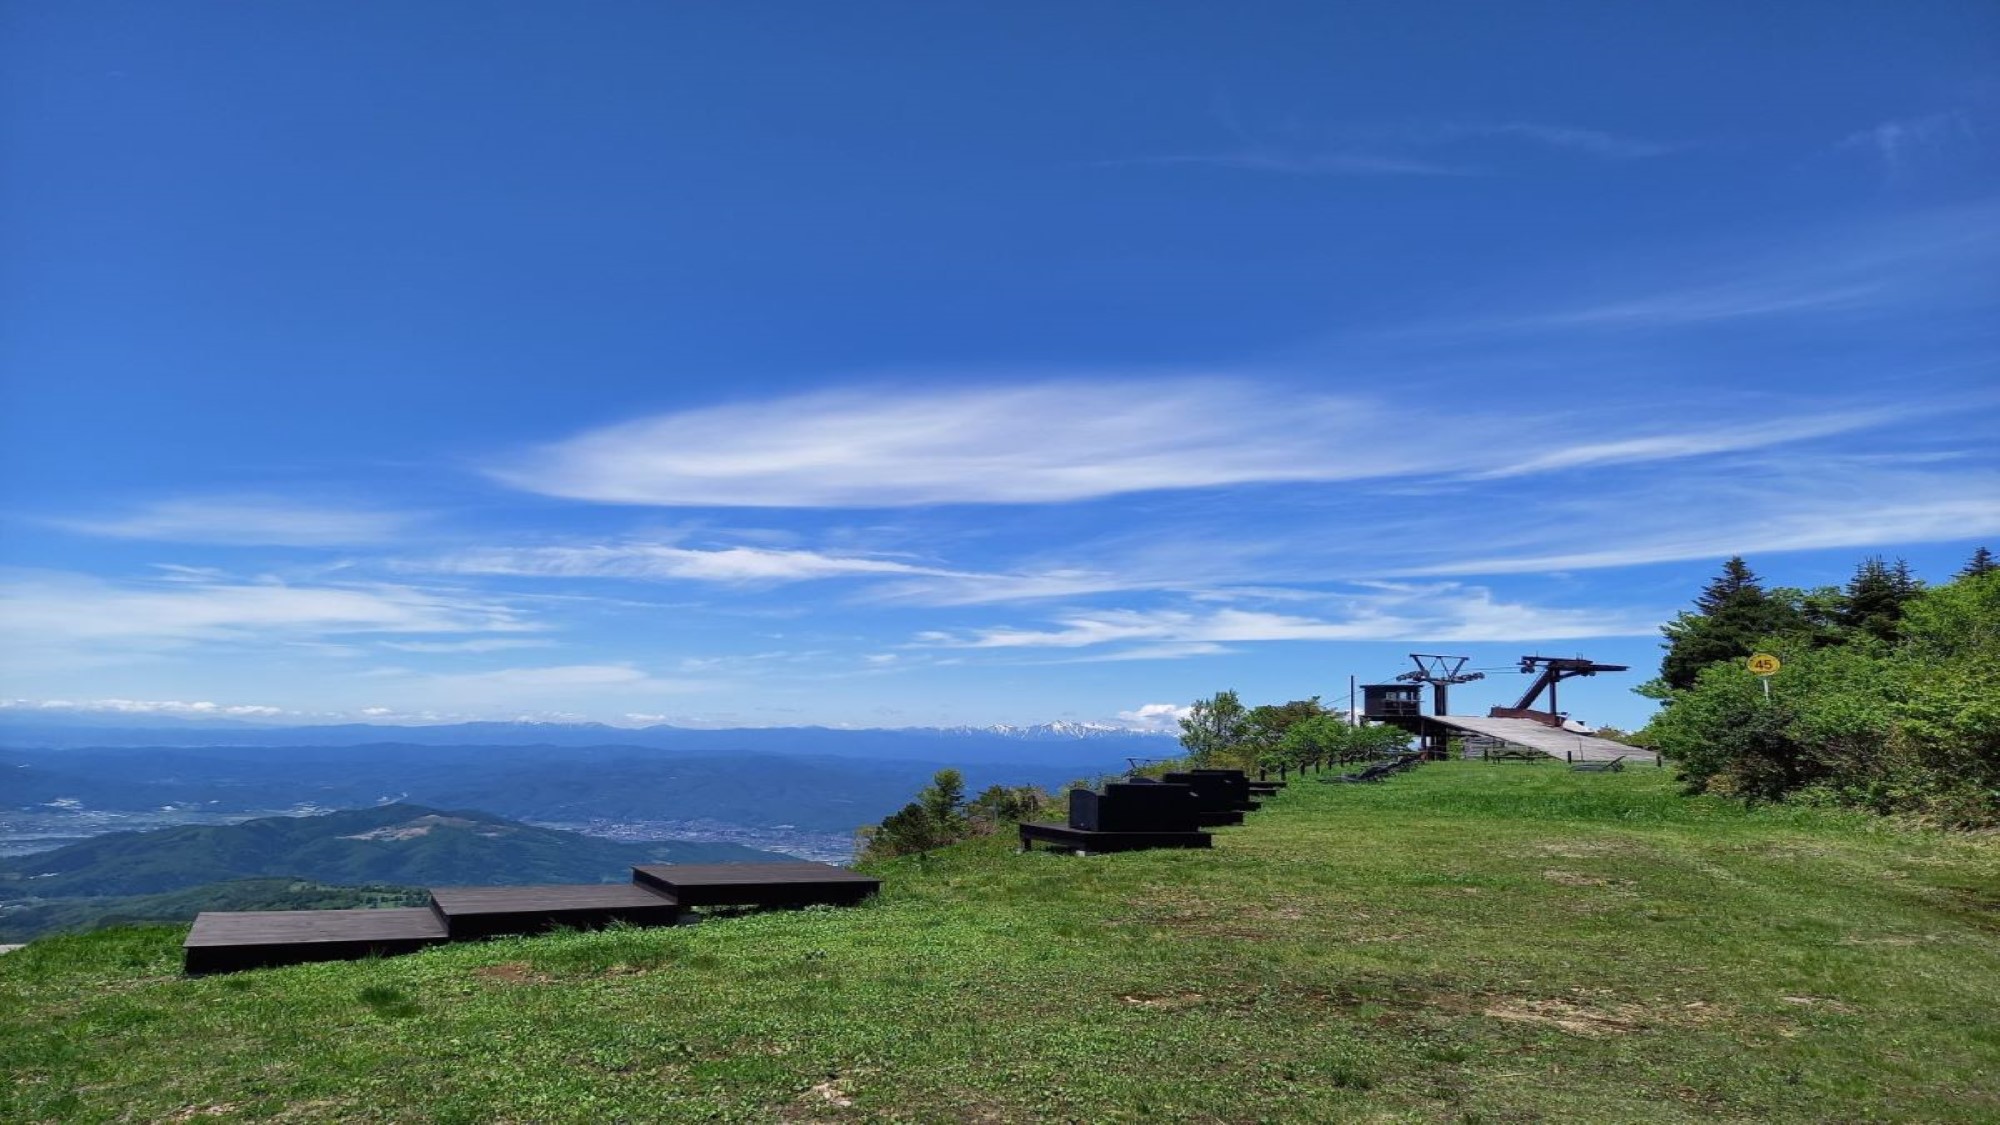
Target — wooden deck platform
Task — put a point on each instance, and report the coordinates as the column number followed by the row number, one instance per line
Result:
column 1219, row 818
column 658, row 895
column 225, row 941
column 1081, row 840
column 480, row 912
column 757, row 884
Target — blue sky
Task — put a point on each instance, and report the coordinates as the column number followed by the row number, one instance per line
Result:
column 914, row 364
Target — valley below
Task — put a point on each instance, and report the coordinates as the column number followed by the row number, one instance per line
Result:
column 99, row 827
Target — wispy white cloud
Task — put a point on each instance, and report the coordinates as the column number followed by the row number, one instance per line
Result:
column 1035, row 443
column 168, row 707
column 564, row 676
column 1936, row 261
column 1395, row 149
column 39, row 610
column 249, row 521
column 1043, row 442
column 1384, row 612
column 659, row 562
column 1593, row 142
column 1759, row 297
column 1763, row 504
column 546, row 693
column 1900, row 142
column 1700, row 442
column 477, row 645
column 1301, row 163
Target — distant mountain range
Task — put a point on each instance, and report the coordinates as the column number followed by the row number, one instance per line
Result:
column 558, row 784
column 809, row 778
column 1046, row 743
column 396, row 844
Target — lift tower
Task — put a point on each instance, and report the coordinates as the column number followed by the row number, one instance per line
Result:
column 1554, row 670
column 1440, row 672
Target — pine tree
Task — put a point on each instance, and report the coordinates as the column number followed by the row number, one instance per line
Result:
column 1732, row 612
column 1980, row 563
column 1737, row 585
column 1875, row 598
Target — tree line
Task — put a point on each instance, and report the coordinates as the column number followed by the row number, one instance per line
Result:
column 1888, row 696
column 1221, row 732
column 1217, row 732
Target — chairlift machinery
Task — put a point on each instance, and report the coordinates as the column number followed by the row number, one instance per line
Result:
column 1401, row 703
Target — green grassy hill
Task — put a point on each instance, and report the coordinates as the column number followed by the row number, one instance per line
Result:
column 1462, row 943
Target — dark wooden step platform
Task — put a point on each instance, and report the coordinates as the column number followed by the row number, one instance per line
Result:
column 1083, row 840
column 658, row 895
column 1219, row 818
column 757, row 884
column 1265, row 788
column 482, row 912
column 225, row 941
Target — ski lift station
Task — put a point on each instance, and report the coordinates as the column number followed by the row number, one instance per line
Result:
column 1527, row 725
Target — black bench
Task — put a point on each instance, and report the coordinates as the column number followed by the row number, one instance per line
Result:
column 1127, row 816
column 1218, row 793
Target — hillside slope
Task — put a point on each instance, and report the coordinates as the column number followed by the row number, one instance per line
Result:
column 21, row 922
column 1465, row 942
column 407, row 845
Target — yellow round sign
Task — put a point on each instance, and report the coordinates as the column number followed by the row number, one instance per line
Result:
column 1764, row 664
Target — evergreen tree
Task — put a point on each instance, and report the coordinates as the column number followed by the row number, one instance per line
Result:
column 1736, row 586
column 1732, row 612
column 1875, row 597
column 934, row 819
column 943, row 799
column 1980, row 563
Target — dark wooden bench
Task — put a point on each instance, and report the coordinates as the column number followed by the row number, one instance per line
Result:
column 1127, row 816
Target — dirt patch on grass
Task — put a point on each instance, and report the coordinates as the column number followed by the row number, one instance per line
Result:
column 198, row 1112
column 1576, row 1019
column 1172, row 1002
column 512, row 972
column 1591, row 1013
column 833, row 1092
column 1578, row 879
column 1819, row 1002
column 1581, row 849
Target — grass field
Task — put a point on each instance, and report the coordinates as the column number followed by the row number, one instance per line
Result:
column 1465, row 942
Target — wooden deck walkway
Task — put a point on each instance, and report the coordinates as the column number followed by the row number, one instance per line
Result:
column 478, row 912
column 658, row 895
column 757, row 884
column 223, row 942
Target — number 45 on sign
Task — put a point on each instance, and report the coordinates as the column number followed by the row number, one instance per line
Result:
column 1763, row 665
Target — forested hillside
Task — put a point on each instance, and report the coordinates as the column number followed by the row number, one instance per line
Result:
column 1887, row 698
column 405, row 845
